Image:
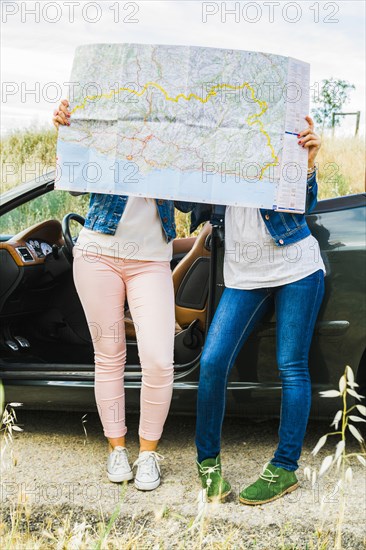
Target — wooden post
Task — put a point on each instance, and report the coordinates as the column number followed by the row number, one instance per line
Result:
column 333, row 123
column 358, row 122
column 358, row 115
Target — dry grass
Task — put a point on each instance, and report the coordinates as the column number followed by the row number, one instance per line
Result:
column 30, row 153
column 341, row 163
column 26, row 154
column 341, row 160
column 26, row 525
column 342, row 460
column 32, row 530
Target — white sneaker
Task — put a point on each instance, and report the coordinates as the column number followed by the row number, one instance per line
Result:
column 147, row 476
column 118, row 467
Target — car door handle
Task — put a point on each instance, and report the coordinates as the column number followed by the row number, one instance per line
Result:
column 330, row 328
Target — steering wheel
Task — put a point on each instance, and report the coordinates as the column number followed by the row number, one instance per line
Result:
column 66, row 233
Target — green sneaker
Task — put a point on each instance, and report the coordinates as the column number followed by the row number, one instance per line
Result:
column 216, row 486
column 273, row 483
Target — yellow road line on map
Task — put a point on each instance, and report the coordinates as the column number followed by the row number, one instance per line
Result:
column 251, row 120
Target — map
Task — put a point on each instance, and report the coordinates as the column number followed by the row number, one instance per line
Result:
column 186, row 123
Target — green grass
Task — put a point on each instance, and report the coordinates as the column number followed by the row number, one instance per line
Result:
column 26, row 154
column 52, row 205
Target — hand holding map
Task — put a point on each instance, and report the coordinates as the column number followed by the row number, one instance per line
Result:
column 186, row 123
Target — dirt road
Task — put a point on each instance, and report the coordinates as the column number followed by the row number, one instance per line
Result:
column 60, row 471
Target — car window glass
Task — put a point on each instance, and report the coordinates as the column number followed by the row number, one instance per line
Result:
column 50, row 206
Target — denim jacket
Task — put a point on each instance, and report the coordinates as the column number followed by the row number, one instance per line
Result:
column 105, row 211
column 286, row 228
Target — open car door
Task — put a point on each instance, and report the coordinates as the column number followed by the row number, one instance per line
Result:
column 45, row 339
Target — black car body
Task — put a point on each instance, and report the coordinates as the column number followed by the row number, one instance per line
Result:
column 39, row 305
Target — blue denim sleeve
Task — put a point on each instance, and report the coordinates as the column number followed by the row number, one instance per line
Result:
column 184, row 206
column 311, row 194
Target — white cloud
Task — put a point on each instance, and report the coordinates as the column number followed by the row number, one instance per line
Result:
column 43, row 52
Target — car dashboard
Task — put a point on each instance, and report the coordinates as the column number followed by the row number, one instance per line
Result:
column 31, row 262
column 31, row 246
column 39, row 247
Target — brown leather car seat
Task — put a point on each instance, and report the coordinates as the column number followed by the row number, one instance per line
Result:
column 199, row 254
column 195, row 251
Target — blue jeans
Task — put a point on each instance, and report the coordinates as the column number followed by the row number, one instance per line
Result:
column 297, row 305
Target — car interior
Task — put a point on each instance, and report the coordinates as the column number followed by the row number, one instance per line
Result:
column 42, row 317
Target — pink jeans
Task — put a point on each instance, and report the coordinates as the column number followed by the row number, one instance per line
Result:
column 102, row 283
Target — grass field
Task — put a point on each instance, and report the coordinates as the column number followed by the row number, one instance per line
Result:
column 30, row 153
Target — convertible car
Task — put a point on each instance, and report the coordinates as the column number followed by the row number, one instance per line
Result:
column 46, row 352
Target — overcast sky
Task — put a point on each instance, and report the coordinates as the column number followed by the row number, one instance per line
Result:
column 328, row 35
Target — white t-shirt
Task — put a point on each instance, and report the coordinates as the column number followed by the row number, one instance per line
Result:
column 139, row 235
column 253, row 260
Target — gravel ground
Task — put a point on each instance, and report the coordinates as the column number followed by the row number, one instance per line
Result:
column 58, row 471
